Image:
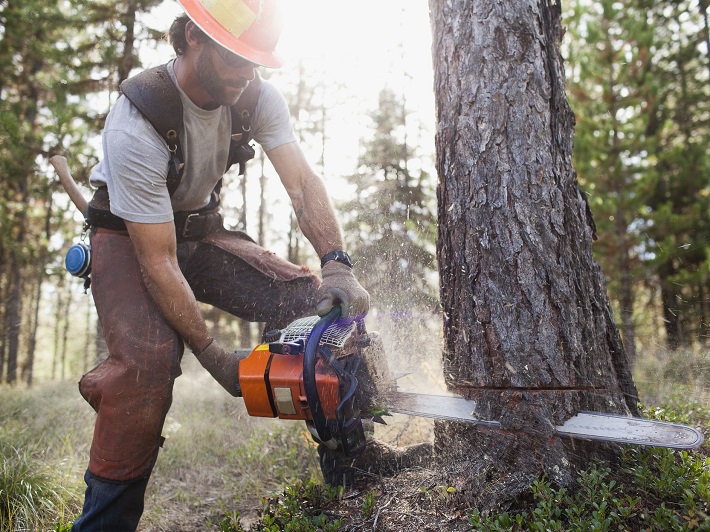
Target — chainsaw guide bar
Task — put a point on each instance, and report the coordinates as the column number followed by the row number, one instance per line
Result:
column 446, row 407
column 624, row 429
column 585, row 425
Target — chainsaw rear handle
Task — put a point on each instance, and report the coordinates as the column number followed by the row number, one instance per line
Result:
column 310, row 357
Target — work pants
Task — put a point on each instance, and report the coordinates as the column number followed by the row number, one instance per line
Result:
column 131, row 391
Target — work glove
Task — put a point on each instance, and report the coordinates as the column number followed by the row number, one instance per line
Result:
column 222, row 365
column 339, row 286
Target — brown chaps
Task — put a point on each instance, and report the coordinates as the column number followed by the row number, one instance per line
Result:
column 131, row 391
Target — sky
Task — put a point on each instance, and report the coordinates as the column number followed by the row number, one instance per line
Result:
column 365, row 46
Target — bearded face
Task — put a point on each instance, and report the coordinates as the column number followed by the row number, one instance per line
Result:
column 222, row 82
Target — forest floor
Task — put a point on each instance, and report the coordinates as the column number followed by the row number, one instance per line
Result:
column 221, row 469
column 271, row 469
column 203, row 472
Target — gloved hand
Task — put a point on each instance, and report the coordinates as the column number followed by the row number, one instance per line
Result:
column 339, row 286
column 222, row 365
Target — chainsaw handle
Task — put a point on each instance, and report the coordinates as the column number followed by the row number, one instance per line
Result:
column 309, row 373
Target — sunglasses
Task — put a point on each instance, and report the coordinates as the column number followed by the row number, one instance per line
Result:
column 231, row 59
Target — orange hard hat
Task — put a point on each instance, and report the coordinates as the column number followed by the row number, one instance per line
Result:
column 249, row 28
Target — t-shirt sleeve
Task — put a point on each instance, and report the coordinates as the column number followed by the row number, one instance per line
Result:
column 136, row 161
column 272, row 120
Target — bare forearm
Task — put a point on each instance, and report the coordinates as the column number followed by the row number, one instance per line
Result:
column 314, row 211
column 156, row 253
column 316, row 217
column 317, row 220
column 173, row 296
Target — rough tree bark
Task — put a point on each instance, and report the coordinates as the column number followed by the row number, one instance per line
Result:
column 529, row 333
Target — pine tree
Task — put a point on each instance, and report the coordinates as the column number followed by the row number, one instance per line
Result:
column 389, row 222
column 609, row 54
column 52, row 56
column 27, row 61
column 528, row 330
column 639, row 87
column 678, row 124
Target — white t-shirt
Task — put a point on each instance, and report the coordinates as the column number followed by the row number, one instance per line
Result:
column 135, row 162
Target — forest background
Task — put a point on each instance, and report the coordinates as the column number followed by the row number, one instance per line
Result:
column 362, row 102
column 358, row 82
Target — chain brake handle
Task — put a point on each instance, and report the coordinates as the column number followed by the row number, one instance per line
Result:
column 350, row 437
column 310, row 358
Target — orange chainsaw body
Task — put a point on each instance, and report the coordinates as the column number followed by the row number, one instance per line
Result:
column 272, row 385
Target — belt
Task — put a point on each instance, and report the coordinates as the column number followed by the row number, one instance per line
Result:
column 196, row 225
column 189, row 225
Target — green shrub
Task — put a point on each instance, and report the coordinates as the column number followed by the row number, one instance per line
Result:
column 231, row 523
column 369, row 503
column 41, row 457
column 653, row 489
column 298, row 509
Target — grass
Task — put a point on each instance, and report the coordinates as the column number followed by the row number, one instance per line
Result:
column 215, row 457
column 223, row 470
column 218, row 460
column 661, row 374
column 28, row 491
column 40, row 479
column 648, row 489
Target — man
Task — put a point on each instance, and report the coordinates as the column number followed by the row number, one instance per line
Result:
column 157, row 250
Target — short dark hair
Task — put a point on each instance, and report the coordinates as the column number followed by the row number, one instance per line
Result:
column 176, row 34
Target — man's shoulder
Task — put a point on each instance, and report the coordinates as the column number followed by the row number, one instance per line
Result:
column 271, row 104
column 159, row 78
column 268, row 91
column 126, row 116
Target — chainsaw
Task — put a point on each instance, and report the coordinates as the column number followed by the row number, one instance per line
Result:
column 333, row 375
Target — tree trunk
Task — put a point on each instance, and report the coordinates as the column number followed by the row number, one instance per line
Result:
column 670, row 301
column 245, row 201
column 245, row 340
column 28, row 367
column 128, row 58
column 294, row 240
column 13, row 311
column 100, row 343
column 65, row 335
column 528, row 327
column 58, row 313
column 3, row 323
column 13, row 317
column 37, row 302
column 626, row 307
column 88, row 340
column 703, row 6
